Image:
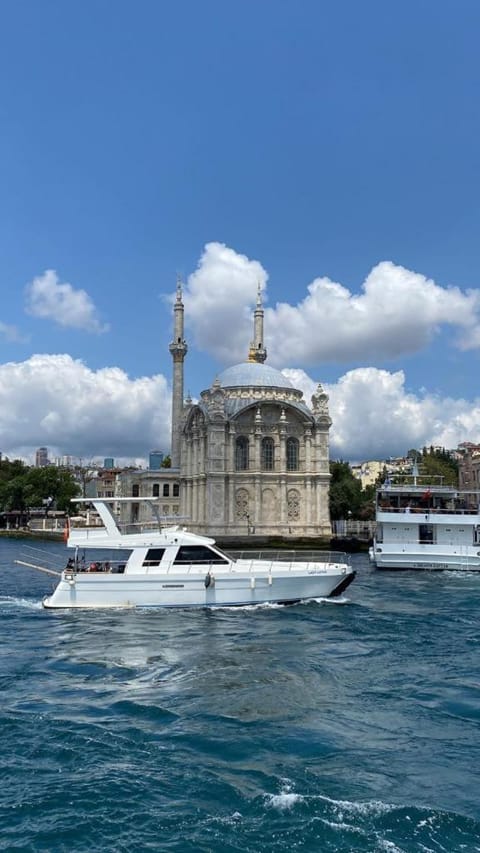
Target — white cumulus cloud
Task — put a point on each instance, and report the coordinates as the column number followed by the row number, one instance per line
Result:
column 375, row 417
column 218, row 299
column 49, row 298
column 396, row 312
column 58, row 402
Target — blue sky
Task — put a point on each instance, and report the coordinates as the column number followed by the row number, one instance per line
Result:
column 321, row 145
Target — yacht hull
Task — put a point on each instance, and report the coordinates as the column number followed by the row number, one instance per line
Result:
column 214, row 589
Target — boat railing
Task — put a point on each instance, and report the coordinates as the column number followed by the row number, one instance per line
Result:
column 285, row 556
column 433, row 510
column 247, row 561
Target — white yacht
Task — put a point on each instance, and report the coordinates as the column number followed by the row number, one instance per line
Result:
column 156, row 566
column 424, row 524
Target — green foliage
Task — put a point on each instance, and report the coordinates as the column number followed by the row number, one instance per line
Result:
column 166, row 462
column 345, row 491
column 347, row 498
column 22, row 487
column 415, row 455
column 439, row 463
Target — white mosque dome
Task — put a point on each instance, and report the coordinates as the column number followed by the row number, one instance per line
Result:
column 253, row 374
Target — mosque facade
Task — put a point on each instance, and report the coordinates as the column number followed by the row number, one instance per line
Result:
column 250, row 457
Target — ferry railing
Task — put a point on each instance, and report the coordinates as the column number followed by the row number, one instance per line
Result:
column 432, row 510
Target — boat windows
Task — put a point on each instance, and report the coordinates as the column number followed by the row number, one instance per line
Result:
column 198, row 554
column 109, row 560
column 154, row 556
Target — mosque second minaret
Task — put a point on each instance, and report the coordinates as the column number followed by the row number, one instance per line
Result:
column 257, row 351
column 178, row 349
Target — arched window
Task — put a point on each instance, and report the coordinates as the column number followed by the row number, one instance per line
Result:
column 241, row 453
column 166, row 490
column 268, row 454
column 176, row 490
column 156, row 490
column 292, row 454
column 135, row 491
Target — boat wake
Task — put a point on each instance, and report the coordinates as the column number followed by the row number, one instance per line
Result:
column 376, row 825
column 8, row 601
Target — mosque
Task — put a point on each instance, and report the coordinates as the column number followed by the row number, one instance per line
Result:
column 250, row 457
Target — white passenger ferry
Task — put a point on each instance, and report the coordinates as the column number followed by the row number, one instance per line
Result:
column 171, row 567
column 424, row 524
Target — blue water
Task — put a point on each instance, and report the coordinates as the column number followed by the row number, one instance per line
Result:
column 349, row 726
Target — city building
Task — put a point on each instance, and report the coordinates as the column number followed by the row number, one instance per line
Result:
column 41, row 457
column 469, row 467
column 108, row 462
column 155, row 460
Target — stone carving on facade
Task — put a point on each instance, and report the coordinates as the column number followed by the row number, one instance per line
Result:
column 293, row 505
column 241, row 503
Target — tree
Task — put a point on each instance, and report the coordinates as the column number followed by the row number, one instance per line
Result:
column 33, row 487
column 345, row 491
column 166, row 462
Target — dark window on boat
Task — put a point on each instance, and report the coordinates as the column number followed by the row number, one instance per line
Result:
column 156, row 490
column 166, row 490
column 426, row 533
column 135, row 490
column 268, row 449
column 241, row 453
column 292, row 454
column 154, row 556
column 176, row 490
column 197, row 554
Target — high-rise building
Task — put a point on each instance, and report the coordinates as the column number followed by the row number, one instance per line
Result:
column 109, row 463
column 155, row 460
column 41, row 457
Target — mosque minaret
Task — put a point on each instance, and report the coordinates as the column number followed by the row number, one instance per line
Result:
column 178, row 349
column 257, row 350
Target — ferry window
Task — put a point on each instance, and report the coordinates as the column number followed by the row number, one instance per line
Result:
column 176, row 490
column 241, row 453
column 197, row 554
column 292, row 454
column 426, row 533
column 156, row 490
column 166, row 490
column 135, row 490
column 268, row 449
column 154, row 556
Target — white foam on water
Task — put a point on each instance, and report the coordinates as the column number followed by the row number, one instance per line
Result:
column 11, row 601
column 372, row 807
column 330, row 601
column 283, row 801
column 286, row 799
column 389, row 846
